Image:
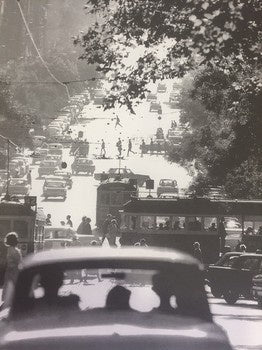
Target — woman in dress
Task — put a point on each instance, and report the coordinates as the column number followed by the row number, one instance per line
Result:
column 112, row 233
column 13, row 260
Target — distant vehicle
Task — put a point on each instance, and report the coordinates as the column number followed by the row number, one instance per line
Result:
column 174, row 99
column 66, row 176
column 80, row 148
column 114, row 318
column 54, row 188
column 161, row 88
column 19, row 187
column 160, row 134
column 39, row 155
column 56, row 146
column 47, row 167
column 235, row 280
column 151, row 97
column 166, row 186
column 38, row 140
column 56, row 158
column 175, row 135
column 111, row 195
column 23, row 164
column 83, row 165
column 98, row 97
column 123, row 173
column 53, row 131
column 155, row 107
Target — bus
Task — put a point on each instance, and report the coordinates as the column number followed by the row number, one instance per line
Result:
column 178, row 223
column 111, row 195
column 27, row 223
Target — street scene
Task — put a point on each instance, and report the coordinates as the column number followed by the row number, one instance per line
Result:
column 130, row 175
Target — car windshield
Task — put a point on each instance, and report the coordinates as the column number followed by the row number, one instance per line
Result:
column 18, row 183
column 167, row 183
column 104, row 288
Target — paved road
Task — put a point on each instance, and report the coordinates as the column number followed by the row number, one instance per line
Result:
column 242, row 322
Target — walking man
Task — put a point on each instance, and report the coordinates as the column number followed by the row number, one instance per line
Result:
column 29, row 178
column 118, row 122
column 129, row 147
column 69, row 221
column 105, row 226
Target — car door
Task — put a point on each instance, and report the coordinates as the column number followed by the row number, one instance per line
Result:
column 248, row 267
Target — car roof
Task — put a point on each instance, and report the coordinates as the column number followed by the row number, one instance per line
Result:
column 78, row 254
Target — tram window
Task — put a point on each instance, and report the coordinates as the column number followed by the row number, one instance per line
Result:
column 163, row 223
column 248, row 228
column 21, row 228
column 258, row 228
column 194, row 223
column 5, row 227
column 178, row 223
column 210, row 224
column 147, row 222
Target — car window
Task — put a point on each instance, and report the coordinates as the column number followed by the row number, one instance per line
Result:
column 250, row 263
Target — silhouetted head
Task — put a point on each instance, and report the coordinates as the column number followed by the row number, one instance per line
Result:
column 11, row 239
column 196, row 245
column 51, row 281
column 118, row 298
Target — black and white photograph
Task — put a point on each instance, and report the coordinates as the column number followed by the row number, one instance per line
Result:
column 130, row 175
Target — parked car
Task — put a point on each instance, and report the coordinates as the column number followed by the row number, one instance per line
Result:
column 155, row 107
column 55, row 158
column 166, row 186
column 174, row 99
column 83, row 165
column 66, row 176
column 170, row 195
column 151, row 97
column 236, row 280
column 123, row 173
column 39, row 155
column 54, row 187
column 47, row 167
column 19, row 187
column 38, row 140
column 161, row 87
column 124, row 315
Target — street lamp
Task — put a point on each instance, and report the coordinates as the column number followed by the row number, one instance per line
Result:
column 9, row 142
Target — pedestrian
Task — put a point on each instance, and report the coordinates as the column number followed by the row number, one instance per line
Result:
column 105, row 226
column 119, row 147
column 62, row 223
column 84, row 228
column 143, row 148
column 112, row 233
column 48, row 220
column 12, row 261
column 69, row 221
column 151, row 146
column 222, row 234
column 103, row 149
column 129, row 147
column 197, row 251
column 118, row 122
column 29, row 178
column 243, row 248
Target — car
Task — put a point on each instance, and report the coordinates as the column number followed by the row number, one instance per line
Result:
column 98, row 97
column 47, row 167
column 174, row 99
column 54, row 187
column 39, row 155
column 19, row 187
column 138, row 298
column 236, row 280
column 166, row 186
column 257, row 287
column 38, row 140
column 83, row 165
column 65, row 175
column 122, row 173
column 226, row 260
column 175, row 135
column 155, row 107
column 57, row 159
column 151, row 97
column 161, row 87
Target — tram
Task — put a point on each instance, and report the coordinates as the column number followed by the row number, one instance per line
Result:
column 178, row 223
column 111, row 195
column 27, row 223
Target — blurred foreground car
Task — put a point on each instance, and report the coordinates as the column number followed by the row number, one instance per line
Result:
column 138, row 299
